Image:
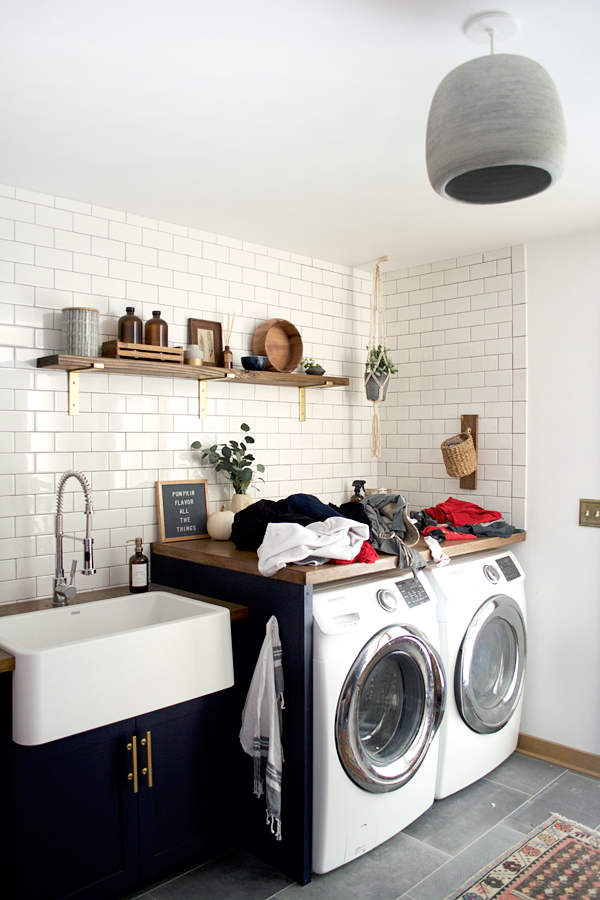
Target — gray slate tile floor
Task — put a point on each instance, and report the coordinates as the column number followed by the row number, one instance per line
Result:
column 428, row 860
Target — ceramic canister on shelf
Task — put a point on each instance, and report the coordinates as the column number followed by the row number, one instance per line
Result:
column 80, row 331
column 193, row 355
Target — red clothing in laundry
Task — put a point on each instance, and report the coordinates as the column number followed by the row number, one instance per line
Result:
column 461, row 512
column 450, row 535
column 366, row 554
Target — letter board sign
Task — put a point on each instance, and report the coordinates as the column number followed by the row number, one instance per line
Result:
column 182, row 508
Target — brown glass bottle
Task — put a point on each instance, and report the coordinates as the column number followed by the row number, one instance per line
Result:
column 138, row 569
column 130, row 327
column 157, row 331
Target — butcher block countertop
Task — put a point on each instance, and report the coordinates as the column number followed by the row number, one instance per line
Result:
column 224, row 555
column 7, row 662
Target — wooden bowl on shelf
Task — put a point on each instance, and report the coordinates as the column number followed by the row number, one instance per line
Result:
column 280, row 341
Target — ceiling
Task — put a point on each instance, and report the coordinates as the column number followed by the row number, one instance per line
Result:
column 296, row 124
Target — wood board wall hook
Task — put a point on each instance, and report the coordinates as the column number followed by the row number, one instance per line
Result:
column 470, row 425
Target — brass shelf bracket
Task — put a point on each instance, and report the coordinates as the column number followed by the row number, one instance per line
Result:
column 203, row 393
column 202, row 400
column 73, row 375
column 302, row 397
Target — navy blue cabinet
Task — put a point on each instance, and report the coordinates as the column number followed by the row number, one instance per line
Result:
column 102, row 811
column 292, row 604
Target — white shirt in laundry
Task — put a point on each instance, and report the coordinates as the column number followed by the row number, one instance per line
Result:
column 287, row 542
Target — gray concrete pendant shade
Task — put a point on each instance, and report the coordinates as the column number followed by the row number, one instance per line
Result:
column 496, row 131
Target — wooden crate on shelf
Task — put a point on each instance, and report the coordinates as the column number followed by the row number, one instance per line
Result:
column 121, row 350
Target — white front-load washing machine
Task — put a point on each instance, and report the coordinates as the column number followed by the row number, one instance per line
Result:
column 483, row 645
column 379, row 693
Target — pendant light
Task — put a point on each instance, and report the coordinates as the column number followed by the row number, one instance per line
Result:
column 496, row 129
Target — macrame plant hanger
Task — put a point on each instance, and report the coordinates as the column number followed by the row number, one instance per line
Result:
column 376, row 385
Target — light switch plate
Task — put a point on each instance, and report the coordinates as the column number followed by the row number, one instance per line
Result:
column 589, row 512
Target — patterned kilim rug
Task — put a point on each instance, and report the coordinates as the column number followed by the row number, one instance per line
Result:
column 559, row 860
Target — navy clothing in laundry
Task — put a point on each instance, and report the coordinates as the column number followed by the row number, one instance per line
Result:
column 354, row 510
column 250, row 525
column 309, row 505
column 499, row 528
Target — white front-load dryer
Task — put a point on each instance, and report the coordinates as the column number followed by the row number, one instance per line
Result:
column 483, row 645
column 379, row 693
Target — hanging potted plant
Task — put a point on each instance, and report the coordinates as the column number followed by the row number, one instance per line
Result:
column 378, row 366
column 378, row 369
column 235, row 461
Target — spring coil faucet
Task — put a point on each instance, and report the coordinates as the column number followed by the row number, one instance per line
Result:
column 64, row 592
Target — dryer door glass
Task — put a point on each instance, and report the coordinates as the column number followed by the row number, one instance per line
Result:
column 389, row 709
column 490, row 667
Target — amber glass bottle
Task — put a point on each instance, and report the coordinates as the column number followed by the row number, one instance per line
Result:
column 138, row 569
column 130, row 327
column 156, row 331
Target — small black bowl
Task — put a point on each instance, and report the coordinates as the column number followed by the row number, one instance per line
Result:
column 255, row 363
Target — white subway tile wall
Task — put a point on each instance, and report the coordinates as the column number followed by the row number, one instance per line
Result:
column 133, row 431
column 457, row 329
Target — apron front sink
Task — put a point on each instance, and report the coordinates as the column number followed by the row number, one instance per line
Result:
column 84, row 666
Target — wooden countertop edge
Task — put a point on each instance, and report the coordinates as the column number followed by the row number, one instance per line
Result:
column 224, row 555
column 7, row 662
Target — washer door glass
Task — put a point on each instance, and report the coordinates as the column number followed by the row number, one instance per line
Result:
column 490, row 667
column 389, row 709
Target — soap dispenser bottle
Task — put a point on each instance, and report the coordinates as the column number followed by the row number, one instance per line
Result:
column 138, row 569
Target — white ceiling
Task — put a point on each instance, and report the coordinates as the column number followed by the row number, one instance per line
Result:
column 297, row 124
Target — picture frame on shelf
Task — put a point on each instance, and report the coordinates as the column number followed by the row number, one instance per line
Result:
column 209, row 337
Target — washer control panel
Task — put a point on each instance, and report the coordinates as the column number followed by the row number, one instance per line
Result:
column 508, row 568
column 413, row 592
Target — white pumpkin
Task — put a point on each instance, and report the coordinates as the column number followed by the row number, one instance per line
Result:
column 219, row 524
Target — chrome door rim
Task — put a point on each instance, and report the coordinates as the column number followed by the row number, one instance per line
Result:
column 355, row 761
column 486, row 720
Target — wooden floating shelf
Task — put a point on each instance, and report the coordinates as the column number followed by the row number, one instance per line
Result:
column 203, row 374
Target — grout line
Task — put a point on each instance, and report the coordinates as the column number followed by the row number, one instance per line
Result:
column 283, row 890
column 500, row 784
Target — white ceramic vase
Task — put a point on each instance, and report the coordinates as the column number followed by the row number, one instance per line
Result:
column 240, row 502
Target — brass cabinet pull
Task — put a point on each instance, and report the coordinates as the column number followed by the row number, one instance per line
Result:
column 149, row 757
column 133, row 776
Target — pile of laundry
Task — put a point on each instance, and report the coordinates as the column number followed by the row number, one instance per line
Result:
column 456, row 520
column 302, row 529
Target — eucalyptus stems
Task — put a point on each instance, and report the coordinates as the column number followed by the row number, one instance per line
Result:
column 234, row 460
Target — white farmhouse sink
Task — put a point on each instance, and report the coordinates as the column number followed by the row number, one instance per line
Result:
column 79, row 667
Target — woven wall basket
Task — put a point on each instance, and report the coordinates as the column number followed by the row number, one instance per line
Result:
column 460, row 455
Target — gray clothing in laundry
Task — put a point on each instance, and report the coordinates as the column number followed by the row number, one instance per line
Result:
column 394, row 534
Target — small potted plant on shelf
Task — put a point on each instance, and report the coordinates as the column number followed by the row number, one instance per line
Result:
column 378, row 369
column 311, row 367
column 236, row 462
